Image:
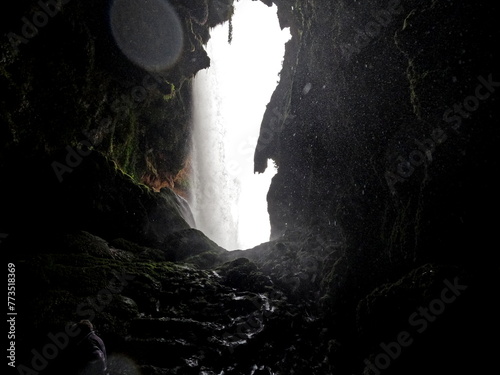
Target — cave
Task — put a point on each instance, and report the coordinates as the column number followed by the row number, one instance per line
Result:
column 382, row 129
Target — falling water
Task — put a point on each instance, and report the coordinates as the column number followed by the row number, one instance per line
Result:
column 228, row 201
column 214, row 192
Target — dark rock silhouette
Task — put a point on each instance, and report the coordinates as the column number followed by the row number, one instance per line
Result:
column 384, row 131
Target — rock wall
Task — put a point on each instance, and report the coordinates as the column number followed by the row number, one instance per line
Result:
column 95, row 96
column 382, row 126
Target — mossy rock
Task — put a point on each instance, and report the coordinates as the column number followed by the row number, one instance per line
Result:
column 185, row 244
column 243, row 274
column 86, row 243
column 141, row 253
column 204, row 260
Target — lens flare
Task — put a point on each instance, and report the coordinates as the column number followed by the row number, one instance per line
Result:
column 148, row 32
column 121, row 364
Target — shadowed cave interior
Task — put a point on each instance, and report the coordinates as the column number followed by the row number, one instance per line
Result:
column 382, row 255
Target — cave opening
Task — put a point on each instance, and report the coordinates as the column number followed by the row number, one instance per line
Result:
column 229, row 99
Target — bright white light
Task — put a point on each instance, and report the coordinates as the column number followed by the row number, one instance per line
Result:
column 240, row 82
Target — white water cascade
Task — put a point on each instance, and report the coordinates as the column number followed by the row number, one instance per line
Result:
column 228, row 201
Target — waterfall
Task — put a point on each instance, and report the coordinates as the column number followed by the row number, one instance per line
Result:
column 229, row 99
column 213, row 192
